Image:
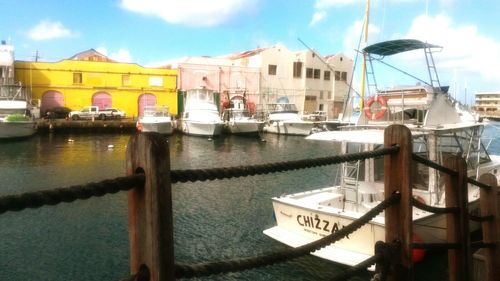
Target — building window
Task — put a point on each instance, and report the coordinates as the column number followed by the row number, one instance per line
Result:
column 344, row 76
column 272, row 69
column 321, row 107
column 309, row 72
column 320, row 95
column 337, row 75
column 125, row 80
column 311, row 98
column 317, row 73
column 77, row 78
column 297, row 69
column 326, row 76
column 329, row 95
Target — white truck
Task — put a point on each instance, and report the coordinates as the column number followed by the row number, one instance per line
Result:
column 90, row 112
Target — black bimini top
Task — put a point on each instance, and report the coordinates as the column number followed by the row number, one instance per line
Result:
column 388, row 48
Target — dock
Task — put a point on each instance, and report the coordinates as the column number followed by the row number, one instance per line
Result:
column 86, row 126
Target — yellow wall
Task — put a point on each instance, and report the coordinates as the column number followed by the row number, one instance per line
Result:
column 41, row 77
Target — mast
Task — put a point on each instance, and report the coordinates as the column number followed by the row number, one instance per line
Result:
column 363, row 69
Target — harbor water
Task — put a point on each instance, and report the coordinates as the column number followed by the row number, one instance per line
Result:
column 213, row 220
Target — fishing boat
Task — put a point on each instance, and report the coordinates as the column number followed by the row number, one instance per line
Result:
column 238, row 119
column 284, row 119
column 438, row 129
column 15, row 104
column 155, row 119
column 201, row 114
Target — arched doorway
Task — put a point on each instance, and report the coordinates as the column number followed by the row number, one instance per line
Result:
column 145, row 100
column 51, row 99
column 102, row 100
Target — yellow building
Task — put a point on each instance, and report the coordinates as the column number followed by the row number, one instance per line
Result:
column 90, row 78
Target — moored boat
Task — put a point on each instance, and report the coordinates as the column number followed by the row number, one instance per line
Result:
column 438, row 129
column 16, row 120
column 238, row 119
column 284, row 119
column 155, row 119
column 201, row 114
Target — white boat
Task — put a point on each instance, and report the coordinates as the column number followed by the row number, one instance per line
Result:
column 155, row 119
column 284, row 119
column 201, row 115
column 438, row 129
column 238, row 119
column 15, row 104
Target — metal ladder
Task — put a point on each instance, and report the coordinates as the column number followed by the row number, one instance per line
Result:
column 350, row 173
column 431, row 68
column 371, row 82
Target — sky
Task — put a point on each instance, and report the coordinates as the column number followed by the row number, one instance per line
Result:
column 151, row 32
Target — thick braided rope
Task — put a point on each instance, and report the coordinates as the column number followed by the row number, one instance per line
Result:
column 434, row 165
column 69, row 194
column 209, row 268
column 478, row 183
column 435, row 210
column 243, row 171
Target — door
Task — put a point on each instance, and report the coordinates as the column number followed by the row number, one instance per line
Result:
column 51, row 99
column 145, row 100
column 102, row 100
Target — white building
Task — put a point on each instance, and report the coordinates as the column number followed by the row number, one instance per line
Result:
column 310, row 81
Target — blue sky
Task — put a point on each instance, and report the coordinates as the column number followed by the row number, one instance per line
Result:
column 149, row 32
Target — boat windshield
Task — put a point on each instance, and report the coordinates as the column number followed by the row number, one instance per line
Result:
column 282, row 107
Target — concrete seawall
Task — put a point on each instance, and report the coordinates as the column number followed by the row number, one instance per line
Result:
column 82, row 126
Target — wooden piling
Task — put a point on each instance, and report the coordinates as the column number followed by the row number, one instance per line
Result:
column 459, row 260
column 398, row 218
column 489, row 203
column 150, row 207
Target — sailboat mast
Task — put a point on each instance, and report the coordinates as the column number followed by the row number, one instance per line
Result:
column 363, row 69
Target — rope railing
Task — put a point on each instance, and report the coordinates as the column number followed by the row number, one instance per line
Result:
column 242, row 171
column 431, row 209
column 210, row 268
column 69, row 194
column 56, row 196
column 433, row 164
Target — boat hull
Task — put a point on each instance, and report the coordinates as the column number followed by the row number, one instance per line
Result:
column 17, row 129
column 198, row 128
column 305, row 217
column 289, row 128
column 244, row 127
column 164, row 128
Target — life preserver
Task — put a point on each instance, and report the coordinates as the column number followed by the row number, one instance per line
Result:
column 139, row 127
column 379, row 114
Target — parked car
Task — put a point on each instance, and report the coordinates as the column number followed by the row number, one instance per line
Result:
column 114, row 113
column 58, row 112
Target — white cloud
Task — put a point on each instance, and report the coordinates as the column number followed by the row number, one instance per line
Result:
column 47, row 29
column 465, row 48
column 122, row 55
column 353, row 34
column 189, row 12
column 317, row 17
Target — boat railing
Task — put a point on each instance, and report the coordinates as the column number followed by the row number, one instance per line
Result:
column 151, row 219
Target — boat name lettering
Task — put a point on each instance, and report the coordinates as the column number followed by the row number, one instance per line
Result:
column 316, row 223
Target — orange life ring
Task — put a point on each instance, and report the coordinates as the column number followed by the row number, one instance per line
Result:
column 379, row 114
column 139, row 127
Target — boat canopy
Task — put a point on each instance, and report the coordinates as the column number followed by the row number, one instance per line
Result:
column 392, row 47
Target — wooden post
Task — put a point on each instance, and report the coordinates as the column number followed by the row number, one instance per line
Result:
column 459, row 260
column 398, row 218
column 489, row 202
column 150, row 220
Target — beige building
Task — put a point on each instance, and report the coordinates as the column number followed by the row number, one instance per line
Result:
column 310, row 81
column 487, row 104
